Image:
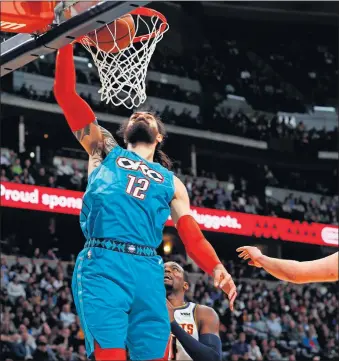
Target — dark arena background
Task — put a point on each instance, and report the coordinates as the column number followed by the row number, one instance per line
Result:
column 249, row 94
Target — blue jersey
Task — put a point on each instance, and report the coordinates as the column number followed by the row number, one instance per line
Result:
column 127, row 199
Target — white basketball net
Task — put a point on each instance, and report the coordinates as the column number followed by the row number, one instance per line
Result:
column 123, row 73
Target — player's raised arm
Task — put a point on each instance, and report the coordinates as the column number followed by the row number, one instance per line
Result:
column 79, row 115
column 196, row 245
column 320, row 270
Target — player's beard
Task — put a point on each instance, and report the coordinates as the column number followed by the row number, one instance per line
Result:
column 169, row 288
column 140, row 132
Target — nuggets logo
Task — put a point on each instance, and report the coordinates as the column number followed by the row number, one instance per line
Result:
column 130, row 164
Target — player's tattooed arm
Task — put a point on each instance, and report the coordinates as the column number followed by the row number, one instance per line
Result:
column 108, row 140
column 100, row 149
column 96, row 157
column 91, row 135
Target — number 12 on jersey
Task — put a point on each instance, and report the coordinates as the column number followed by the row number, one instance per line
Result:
column 137, row 187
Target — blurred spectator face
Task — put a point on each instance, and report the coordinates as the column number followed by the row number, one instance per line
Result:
column 42, row 343
column 42, row 171
column 25, row 336
column 60, row 276
column 82, row 350
column 242, row 337
column 253, row 343
column 61, row 351
column 27, row 163
column 66, row 308
column 66, row 332
column 17, row 161
column 26, row 322
column 22, row 329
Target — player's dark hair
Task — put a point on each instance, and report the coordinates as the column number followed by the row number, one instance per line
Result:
column 159, row 155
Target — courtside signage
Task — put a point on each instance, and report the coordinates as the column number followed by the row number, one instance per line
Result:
column 70, row 202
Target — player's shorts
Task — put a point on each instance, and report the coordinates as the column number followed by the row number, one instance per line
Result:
column 121, row 302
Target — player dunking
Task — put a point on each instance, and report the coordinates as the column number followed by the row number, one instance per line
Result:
column 118, row 280
column 195, row 328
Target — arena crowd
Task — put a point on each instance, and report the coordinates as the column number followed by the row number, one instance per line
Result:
column 272, row 321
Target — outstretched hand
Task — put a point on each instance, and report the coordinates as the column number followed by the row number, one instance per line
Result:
column 252, row 253
column 223, row 280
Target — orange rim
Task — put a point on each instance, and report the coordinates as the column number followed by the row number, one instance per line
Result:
column 144, row 12
column 149, row 12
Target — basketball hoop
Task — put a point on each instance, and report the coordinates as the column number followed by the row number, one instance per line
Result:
column 123, row 73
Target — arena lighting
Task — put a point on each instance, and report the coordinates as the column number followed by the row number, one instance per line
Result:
column 32, row 154
column 318, row 108
column 213, row 220
column 168, row 247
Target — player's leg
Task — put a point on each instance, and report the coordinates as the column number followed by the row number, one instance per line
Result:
column 103, row 301
column 149, row 329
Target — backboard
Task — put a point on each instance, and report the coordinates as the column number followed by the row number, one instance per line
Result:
column 72, row 19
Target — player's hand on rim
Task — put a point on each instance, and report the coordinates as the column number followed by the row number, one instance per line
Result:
column 224, row 281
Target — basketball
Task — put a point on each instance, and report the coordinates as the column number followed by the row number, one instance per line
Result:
column 122, row 30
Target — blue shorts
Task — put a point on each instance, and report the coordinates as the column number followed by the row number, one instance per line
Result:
column 121, row 302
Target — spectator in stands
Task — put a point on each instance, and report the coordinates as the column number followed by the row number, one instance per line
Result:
column 43, row 351
column 16, row 167
column 66, row 315
column 274, row 354
column 42, row 178
column 25, row 348
column 254, row 351
column 15, row 290
column 310, row 340
column 64, row 169
column 241, row 348
column 274, row 326
column 76, row 179
column 26, row 177
column 3, row 177
column 28, row 166
column 4, row 160
column 52, row 182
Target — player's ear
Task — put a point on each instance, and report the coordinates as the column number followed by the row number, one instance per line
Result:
column 159, row 138
column 186, row 286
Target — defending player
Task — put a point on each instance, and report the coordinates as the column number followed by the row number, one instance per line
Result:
column 118, row 279
column 320, row 270
column 195, row 328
